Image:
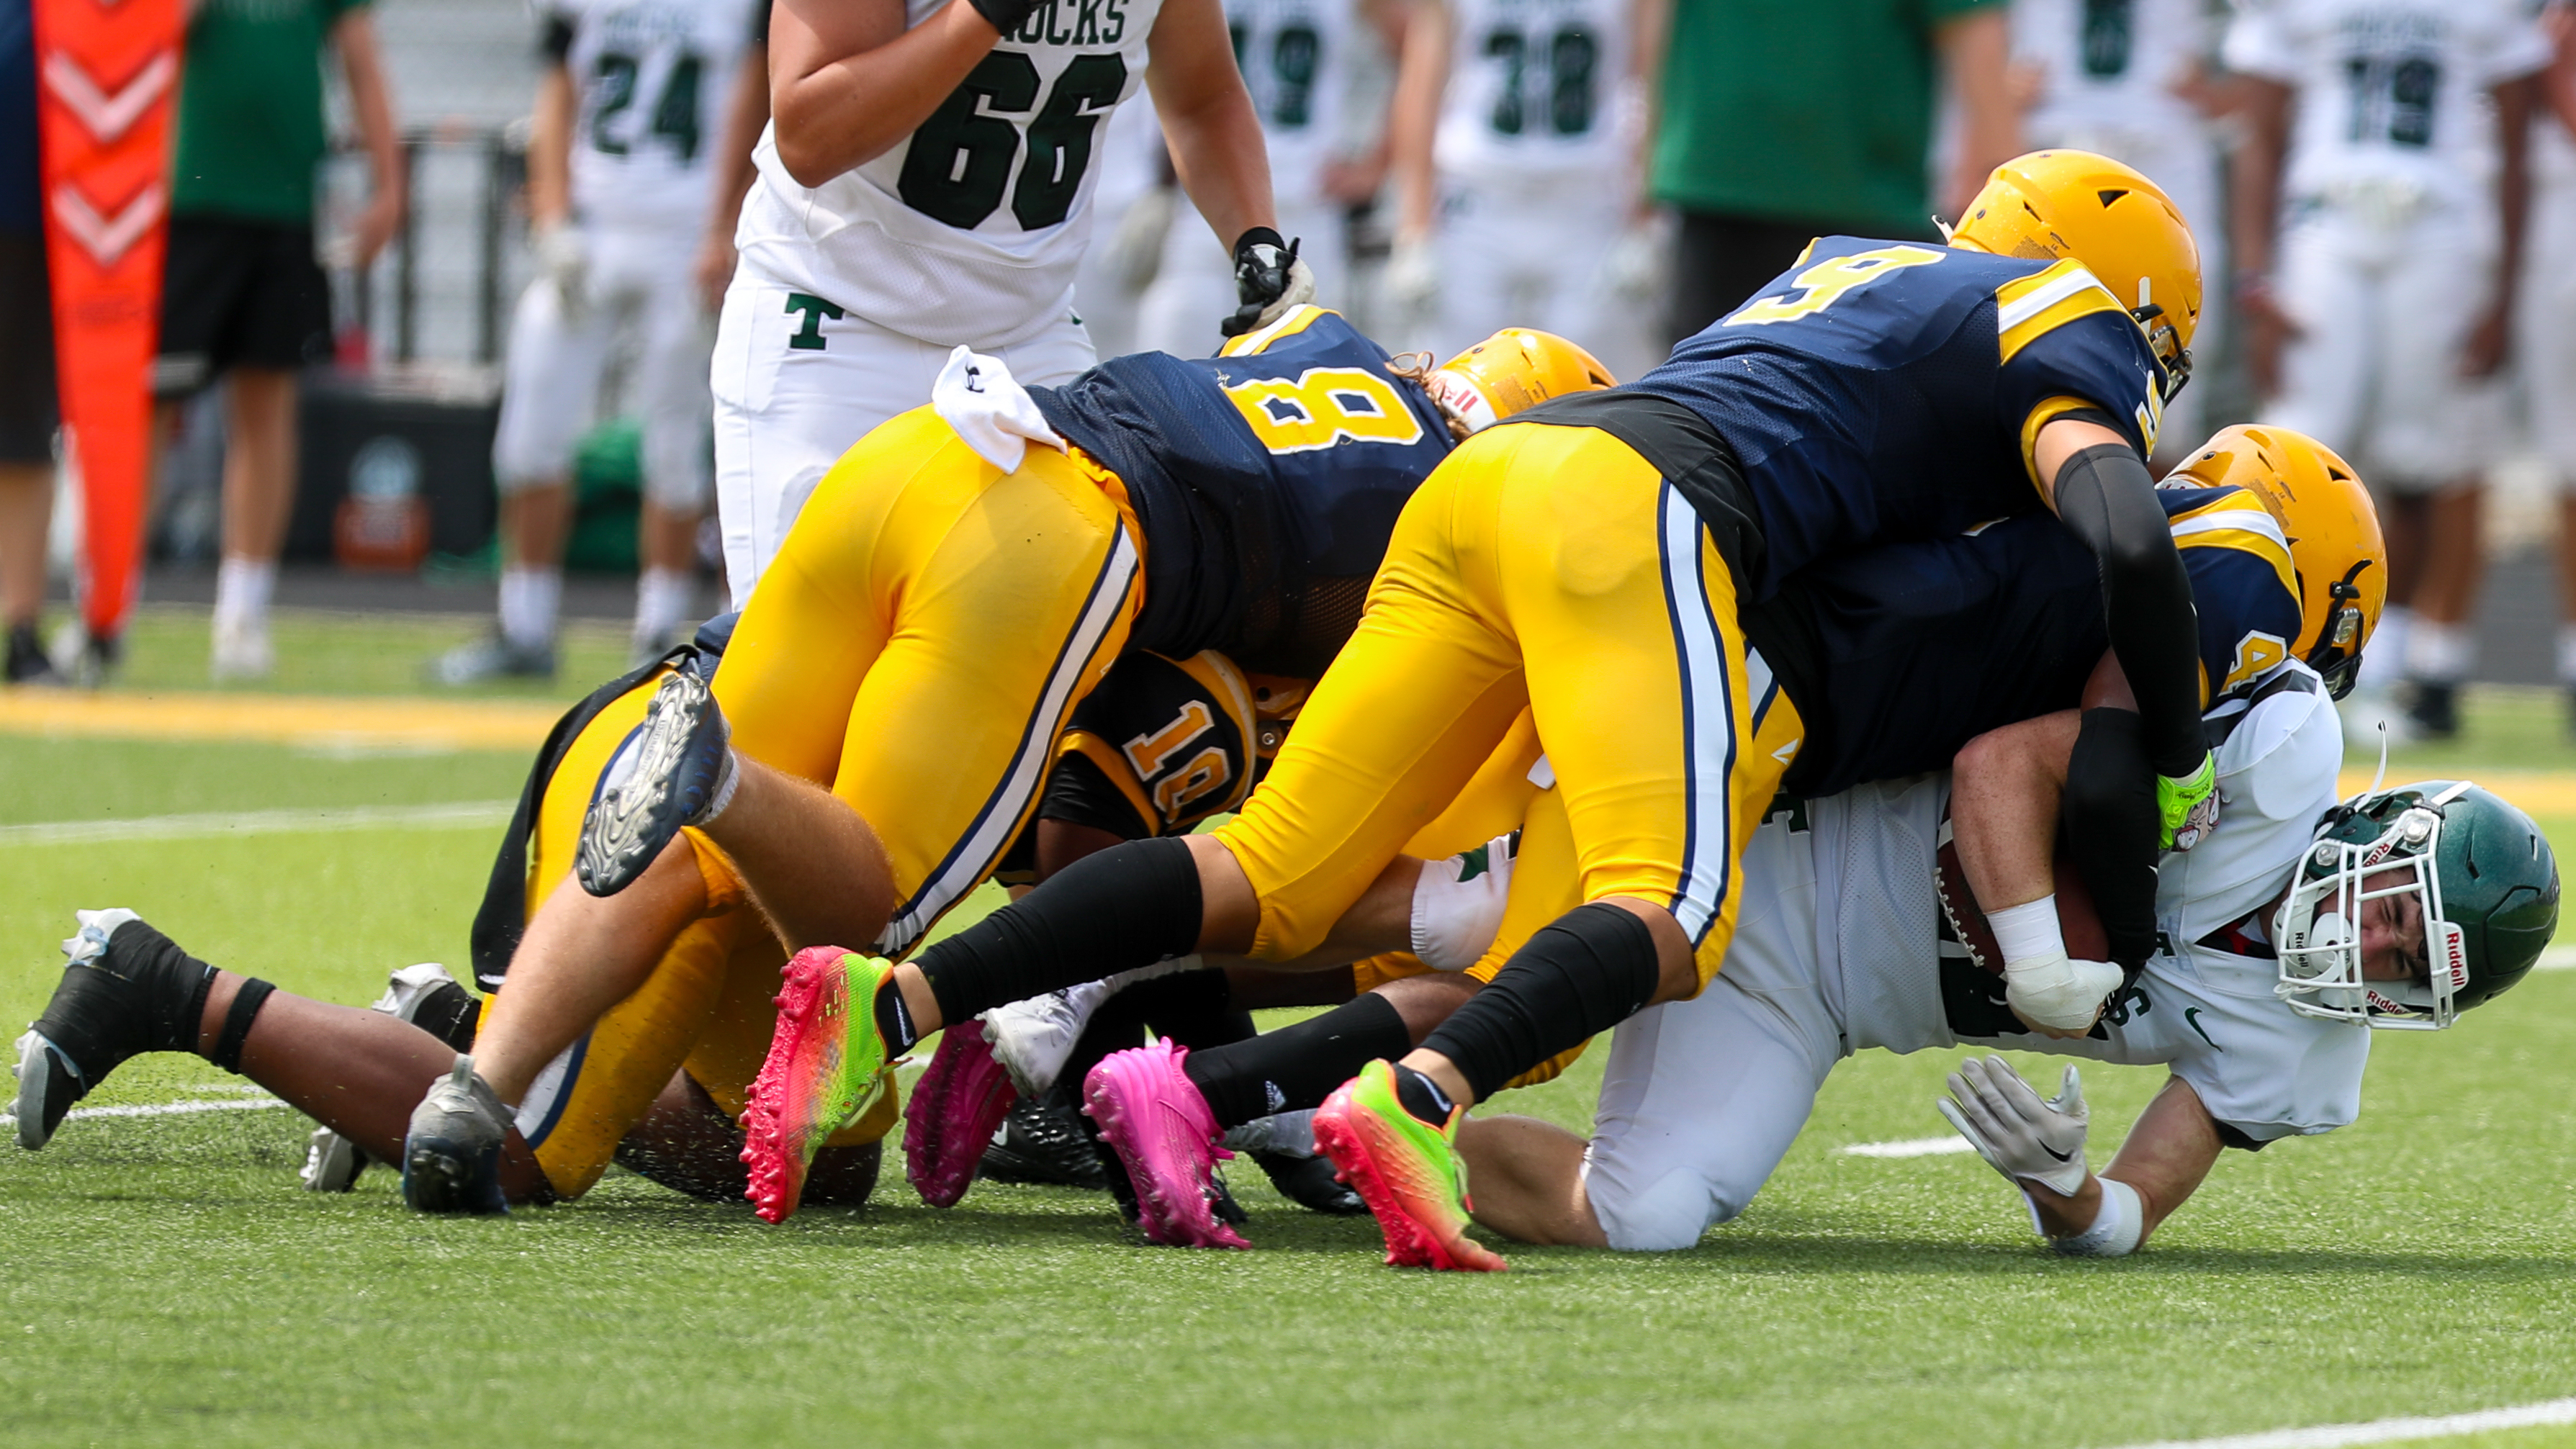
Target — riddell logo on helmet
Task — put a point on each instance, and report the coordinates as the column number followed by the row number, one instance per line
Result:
column 2387, row 1007
column 2453, row 943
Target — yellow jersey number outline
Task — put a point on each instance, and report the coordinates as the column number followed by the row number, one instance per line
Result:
column 1826, row 282
column 1322, row 406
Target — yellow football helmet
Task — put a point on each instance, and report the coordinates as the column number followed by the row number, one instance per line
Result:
column 2110, row 217
column 2333, row 529
column 1514, row 369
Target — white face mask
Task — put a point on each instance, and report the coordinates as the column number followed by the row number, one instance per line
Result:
column 2318, row 930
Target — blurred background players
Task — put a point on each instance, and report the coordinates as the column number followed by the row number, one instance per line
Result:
column 637, row 163
column 1301, row 65
column 1516, row 136
column 2547, row 341
column 27, row 412
column 2129, row 79
column 243, row 297
column 2378, row 236
column 1778, row 123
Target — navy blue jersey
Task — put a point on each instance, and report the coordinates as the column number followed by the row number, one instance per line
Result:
column 1912, row 650
column 1267, row 478
column 1878, row 391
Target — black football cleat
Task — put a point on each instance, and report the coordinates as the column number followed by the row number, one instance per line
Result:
column 1044, row 1142
column 1309, row 1182
column 675, row 769
column 452, row 1154
column 128, row 990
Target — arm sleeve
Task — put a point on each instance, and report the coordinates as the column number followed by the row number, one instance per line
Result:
column 2111, row 826
column 2106, row 496
column 554, row 37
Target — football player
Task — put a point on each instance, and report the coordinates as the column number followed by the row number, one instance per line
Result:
column 927, row 183
column 2300, row 924
column 636, row 138
column 892, row 698
column 2378, row 235
column 1990, row 629
column 1600, row 565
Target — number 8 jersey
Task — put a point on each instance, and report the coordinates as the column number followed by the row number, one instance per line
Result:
column 971, row 229
column 653, row 77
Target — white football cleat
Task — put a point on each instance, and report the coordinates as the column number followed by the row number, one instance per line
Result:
column 332, row 1162
column 1033, row 1039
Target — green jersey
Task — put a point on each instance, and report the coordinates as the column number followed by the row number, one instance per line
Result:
column 250, row 108
column 1803, row 109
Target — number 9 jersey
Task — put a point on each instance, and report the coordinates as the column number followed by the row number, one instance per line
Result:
column 1266, row 478
column 970, row 230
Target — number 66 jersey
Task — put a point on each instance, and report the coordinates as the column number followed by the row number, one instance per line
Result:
column 970, row 230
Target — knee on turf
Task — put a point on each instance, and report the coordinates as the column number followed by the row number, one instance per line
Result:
column 1665, row 1215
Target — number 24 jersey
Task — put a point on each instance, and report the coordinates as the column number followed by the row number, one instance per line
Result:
column 653, row 79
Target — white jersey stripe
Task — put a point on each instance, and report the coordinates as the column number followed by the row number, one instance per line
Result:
column 972, row 858
column 1708, row 723
column 2242, row 520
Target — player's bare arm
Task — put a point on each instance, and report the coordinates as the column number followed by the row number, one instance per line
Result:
column 744, row 120
column 1976, row 55
column 2515, row 101
column 362, row 63
column 1214, row 136
column 2263, row 113
column 847, row 81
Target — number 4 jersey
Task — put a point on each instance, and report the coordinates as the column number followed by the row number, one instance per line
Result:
column 1267, row 478
column 652, row 79
column 971, row 229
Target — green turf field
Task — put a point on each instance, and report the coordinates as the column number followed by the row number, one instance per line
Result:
column 164, row 1280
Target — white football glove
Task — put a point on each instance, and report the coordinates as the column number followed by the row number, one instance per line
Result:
column 564, row 261
column 2059, row 993
column 2022, row 1137
column 1412, row 280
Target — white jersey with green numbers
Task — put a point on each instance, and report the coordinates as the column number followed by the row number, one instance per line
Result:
column 1532, row 88
column 1296, row 61
column 2107, row 69
column 652, row 80
column 2390, row 92
column 970, row 231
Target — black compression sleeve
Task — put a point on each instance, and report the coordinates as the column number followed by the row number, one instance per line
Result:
column 2112, row 825
column 1297, row 1066
column 2108, row 498
column 554, row 43
column 1130, row 905
column 1582, row 974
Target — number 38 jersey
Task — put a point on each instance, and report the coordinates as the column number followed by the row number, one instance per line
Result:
column 652, row 80
column 1267, row 479
column 1884, row 391
column 1531, row 88
column 2389, row 91
column 971, row 229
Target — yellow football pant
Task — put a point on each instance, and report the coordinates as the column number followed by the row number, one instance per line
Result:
column 927, row 627
column 1551, row 569
column 706, row 1009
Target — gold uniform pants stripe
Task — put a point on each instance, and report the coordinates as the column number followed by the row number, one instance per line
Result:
column 1551, row 569
column 925, row 630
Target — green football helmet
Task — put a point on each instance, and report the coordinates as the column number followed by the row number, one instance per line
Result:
column 2483, row 874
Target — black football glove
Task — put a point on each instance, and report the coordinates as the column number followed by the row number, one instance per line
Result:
column 1268, row 280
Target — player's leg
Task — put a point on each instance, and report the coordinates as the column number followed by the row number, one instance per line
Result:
column 549, row 392
column 28, row 416
column 131, row 990
column 1666, row 742
column 671, row 384
column 284, row 327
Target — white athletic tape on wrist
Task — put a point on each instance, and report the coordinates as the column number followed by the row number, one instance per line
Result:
column 2116, row 1229
column 1455, row 920
column 2028, row 932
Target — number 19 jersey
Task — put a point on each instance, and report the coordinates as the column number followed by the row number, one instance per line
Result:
column 970, row 230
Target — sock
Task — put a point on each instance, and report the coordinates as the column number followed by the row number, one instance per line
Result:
column 2439, row 653
column 1422, row 1096
column 529, row 598
column 243, row 587
column 1130, row 905
column 894, row 1020
column 662, row 598
column 158, row 1004
column 1297, row 1066
column 1194, row 1008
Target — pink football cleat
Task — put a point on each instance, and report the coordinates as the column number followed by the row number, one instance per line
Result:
column 1162, row 1130
column 955, row 1109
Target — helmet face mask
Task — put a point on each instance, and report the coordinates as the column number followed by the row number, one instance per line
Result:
column 2485, row 888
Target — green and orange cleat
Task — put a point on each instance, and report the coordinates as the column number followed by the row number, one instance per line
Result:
column 1406, row 1170
column 826, row 1067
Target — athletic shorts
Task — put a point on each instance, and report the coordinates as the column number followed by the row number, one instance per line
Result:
column 706, row 1009
column 798, row 382
column 238, row 293
column 1550, row 569
column 28, row 410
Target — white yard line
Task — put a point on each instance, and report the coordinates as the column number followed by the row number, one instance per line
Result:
column 458, row 815
column 2557, row 958
column 168, row 1109
column 2387, row 1431
column 1909, row 1147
